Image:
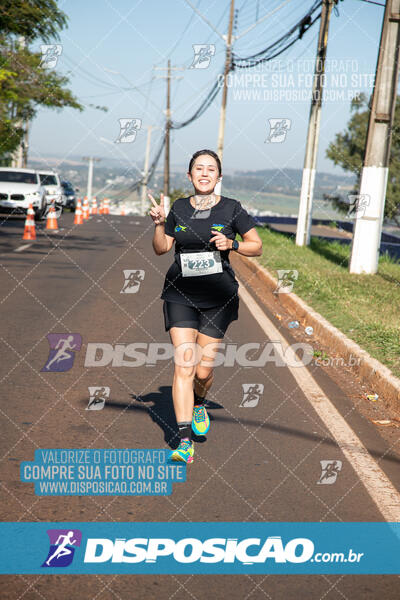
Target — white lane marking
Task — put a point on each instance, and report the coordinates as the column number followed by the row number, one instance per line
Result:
column 22, row 248
column 377, row 484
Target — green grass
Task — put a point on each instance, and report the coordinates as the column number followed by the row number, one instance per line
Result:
column 364, row 307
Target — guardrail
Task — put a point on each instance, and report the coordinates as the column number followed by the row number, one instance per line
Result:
column 389, row 243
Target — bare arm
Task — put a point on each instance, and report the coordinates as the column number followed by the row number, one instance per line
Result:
column 251, row 245
column 162, row 242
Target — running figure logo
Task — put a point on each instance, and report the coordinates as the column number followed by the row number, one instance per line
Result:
column 180, row 228
column 278, row 130
column 128, row 130
column 251, row 394
column 286, row 279
column 357, row 205
column 62, row 547
column 133, row 279
column 62, row 351
column 50, row 54
column 57, row 208
column 202, row 56
column 98, row 397
column 330, row 471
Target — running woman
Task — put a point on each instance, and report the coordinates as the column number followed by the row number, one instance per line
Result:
column 200, row 289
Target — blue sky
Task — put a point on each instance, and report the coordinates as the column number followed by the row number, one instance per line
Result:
column 114, row 44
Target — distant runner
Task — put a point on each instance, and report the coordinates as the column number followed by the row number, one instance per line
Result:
column 200, row 289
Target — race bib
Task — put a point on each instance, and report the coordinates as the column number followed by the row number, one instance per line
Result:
column 201, row 263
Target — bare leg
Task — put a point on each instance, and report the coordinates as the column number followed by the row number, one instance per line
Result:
column 204, row 375
column 182, row 387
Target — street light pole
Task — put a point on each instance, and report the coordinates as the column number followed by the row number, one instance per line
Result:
column 145, row 172
column 167, row 132
column 91, row 160
column 304, row 219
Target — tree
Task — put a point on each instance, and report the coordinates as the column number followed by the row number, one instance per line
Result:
column 25, row 84
column 31, row 19
column 347, row 150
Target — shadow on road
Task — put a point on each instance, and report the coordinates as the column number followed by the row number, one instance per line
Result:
column 160, row 408
column 162, row 413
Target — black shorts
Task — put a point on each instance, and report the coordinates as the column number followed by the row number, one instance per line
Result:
column 210, row 321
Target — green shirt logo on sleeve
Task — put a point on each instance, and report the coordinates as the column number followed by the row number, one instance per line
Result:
column 180, row 228
column 217, row 226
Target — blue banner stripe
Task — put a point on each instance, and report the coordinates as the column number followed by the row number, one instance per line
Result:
column 215, row 547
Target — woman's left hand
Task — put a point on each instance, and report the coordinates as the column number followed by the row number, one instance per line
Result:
column 221, row 241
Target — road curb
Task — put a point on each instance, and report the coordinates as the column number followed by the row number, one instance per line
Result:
column 378, row 377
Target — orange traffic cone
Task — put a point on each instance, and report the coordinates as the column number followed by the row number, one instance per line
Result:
column 29, row 230
column 106, row 209
column 51, row 222
column 78, row 214
column 94, row 207
column 123, row 213
column 101, row 209
column 85, row 208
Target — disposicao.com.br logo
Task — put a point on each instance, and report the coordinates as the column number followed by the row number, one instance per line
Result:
column 247, row 551
column 201, row 547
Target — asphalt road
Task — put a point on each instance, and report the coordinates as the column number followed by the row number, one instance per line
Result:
column 258, row 463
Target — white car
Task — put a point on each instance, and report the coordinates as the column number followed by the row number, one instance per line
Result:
column 19, row 188
column 54, row 190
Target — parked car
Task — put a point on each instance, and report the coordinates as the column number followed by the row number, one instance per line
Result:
column 52, row 184
column 19, row 188
column 70, row 195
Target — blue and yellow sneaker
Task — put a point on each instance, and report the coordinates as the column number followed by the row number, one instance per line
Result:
column 200, row 420
column 184, row 452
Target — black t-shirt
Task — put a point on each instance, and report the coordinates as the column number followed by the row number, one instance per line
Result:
column 191, row 229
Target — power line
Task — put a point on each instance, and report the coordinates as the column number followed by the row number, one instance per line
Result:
column 208, row 100
column 136, row 185
column 283, row 43
column 268, row 30
column 372, row 2
column 180, row 38
column 299, row 28
column 263, row 19
column 96, row 79
column 204, row 19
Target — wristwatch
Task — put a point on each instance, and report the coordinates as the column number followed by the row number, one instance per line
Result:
column 235, row 245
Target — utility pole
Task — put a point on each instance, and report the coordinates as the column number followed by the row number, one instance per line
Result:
column 304, row 219
column 145, row 172
column 91, row 160
column 167, row 132
column 228, row 60
column 167, row 129
column 374, row 174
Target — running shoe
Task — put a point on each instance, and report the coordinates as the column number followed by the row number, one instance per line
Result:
column 200, row 420
column 183, row 453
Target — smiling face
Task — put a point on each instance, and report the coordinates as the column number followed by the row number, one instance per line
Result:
column 204, row 174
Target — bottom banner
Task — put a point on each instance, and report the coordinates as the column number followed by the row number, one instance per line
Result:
column 213, row 548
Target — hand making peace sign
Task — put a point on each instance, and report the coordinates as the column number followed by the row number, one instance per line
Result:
column 157, row 211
